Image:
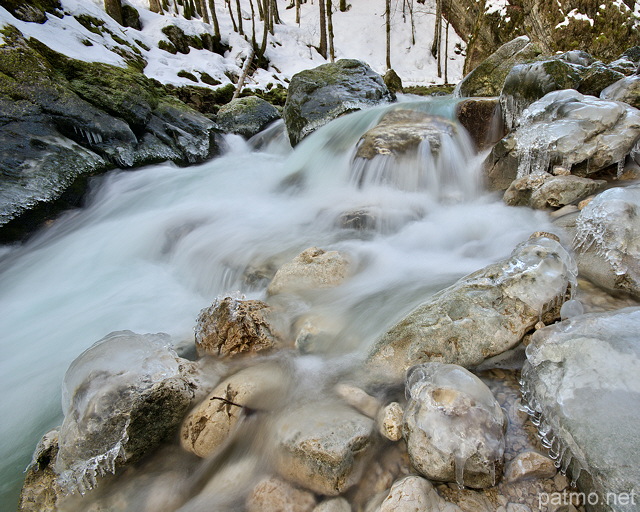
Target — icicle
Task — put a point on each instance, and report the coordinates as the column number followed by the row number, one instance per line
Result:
column 459, row 468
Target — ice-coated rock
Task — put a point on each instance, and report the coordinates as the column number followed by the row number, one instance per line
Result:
column 312, row 269
column 607, row 240
column 581, row 133
column 581, row 384
column 415, row 494
column 232, row 326
column 529, row 465
column 453, row 425
column 543, row 190
column 323, row 447
column 317, row 96
column 260, row 387
column 275, row 495
column 529, row 82
column 120, row 398
column 413, row 150
column 483, row 314
column 246, row 116
column 627, row 90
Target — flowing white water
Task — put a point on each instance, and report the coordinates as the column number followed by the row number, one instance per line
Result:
column 156, row 245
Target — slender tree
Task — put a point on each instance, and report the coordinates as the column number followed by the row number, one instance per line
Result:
column 446, row 51
column 275, row 13
column 253, row 24
column 233, row 21
column 437, row 35
column 388, row 30
column 265, row 27
column 239, row 11
column 298, row 12
column 343, row 5
column 322, row 49
column 203, row 10
column 332, row 53
column 214, row 19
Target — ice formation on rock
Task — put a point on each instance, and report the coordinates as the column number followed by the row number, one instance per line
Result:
column 106, row 390
column 453, row 425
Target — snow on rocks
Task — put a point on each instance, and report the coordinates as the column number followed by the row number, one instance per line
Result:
column 453, row 425
column 581, row 385
column 483, row 314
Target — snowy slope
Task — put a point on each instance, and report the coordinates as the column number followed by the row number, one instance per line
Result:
column 359, row 33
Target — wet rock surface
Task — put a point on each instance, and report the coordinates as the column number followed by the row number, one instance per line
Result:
column 483, row 314
column 246, row 116
column 317, row 96
column 232, row 326
column 453, row 426
column 66, row 120
column 626, row 89
column 324, row 447
column 581, row 385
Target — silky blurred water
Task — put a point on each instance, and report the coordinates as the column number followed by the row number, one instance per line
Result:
column 156, row 245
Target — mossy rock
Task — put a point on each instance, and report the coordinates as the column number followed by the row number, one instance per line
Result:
column 32, row 10
column 393, row 81
column 429, row 90
column 246, row 116
column 189, row 76
column 597, row 78
column 488, row 78
column 131, row 17
column 319, row 95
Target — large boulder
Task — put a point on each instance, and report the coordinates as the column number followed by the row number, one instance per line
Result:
column 120, row 398
column 64, row 120
column 488, row 77
column 453, row 425
column 565, row 128
column 606, row 239
column 412, row 494
column 317, row 96
column 483, row 314
column 581, row 384
column 247, row 116
column 324, row 446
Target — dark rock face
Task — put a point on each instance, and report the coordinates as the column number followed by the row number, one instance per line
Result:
column 317, row 96
column 64, row 120
column 247, row 116
column 482, row 118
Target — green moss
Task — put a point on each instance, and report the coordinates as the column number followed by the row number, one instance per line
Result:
column 90, row 23
column 86, row 42
column 142, row 45
column 431, row 90
column 276, row 95
column 189, row 76
column 208, row 79
column 167, row 47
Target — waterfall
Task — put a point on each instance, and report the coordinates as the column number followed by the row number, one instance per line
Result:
column 154, row 246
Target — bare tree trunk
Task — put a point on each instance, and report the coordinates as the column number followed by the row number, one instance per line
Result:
column 243, row 76
column 275, row 14
column 343, row 5
column 322, row 49
column 114, row 9
column 332, row 53
column 253, row 24
column 214, row 18
column 240, row 30
column 435, row 47
column 388, row 30
column 154, row 6
column 233, row 21
column 446, row 51
column 203, row 9
column 298, row 12
column 413, row 24
column 260, row 10
column 265, row 28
